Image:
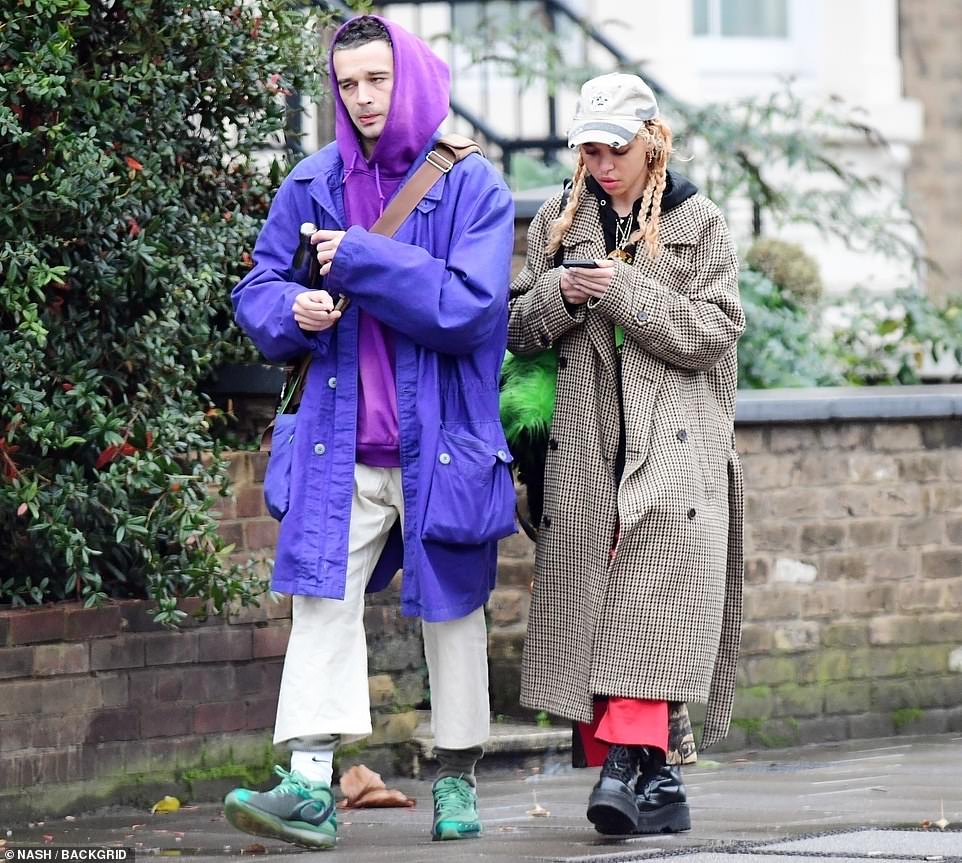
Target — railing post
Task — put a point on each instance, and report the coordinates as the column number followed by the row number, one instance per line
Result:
column 551, row 25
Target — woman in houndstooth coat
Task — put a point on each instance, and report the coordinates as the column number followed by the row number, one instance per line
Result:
column 636, row 606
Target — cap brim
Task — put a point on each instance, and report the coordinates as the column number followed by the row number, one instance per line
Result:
column 610, row 134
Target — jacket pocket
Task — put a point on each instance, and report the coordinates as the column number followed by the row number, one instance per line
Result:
column 277, row 479
column 471, row 499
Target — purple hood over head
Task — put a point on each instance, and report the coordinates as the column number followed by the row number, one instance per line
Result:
column 419, row 104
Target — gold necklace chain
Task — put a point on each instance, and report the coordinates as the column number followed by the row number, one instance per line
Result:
column 623, row 230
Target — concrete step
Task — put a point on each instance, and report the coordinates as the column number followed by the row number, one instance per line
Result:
column 513, row 747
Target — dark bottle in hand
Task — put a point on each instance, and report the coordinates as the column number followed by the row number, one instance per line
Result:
column 305, row 267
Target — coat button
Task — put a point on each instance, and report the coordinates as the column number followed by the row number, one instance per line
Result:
column 641, row 317
column 502, row 455
column 553, row 444
column 682, row 435
column 445, row 458
column 562, row 362
column 319, row 449
column 546, row 521
column 545, row 341
column 691, row 513
column 332, row 383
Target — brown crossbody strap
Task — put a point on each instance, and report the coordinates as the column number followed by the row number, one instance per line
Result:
column 446, row 153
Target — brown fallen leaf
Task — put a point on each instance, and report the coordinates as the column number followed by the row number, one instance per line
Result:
column 254, row 848
column 364, row 789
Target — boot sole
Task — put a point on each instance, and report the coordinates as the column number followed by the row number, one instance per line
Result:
column 259, row 823
column 611, row 814
column 673, row 818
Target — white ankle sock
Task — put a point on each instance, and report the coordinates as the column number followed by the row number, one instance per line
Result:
column 314, row 766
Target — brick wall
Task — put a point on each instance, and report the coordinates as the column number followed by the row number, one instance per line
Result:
column 104, row 706
column 853, row 600
column 929, row 38
column 853, row 628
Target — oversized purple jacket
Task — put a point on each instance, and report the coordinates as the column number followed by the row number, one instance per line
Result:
column 441, row 284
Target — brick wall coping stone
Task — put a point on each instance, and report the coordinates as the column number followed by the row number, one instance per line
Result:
column 815, row 404
column 528, row 202
column 827, row 404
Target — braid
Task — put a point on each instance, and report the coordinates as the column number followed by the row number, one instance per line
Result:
column 559, row 227
column 658, row 139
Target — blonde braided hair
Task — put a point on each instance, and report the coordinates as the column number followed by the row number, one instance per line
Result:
column 656, row 135
column 559, row 227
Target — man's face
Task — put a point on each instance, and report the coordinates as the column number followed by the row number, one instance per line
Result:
column 365, row 79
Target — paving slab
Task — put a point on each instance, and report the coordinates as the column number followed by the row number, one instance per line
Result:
column 914, row 843
column 746, row 807
column 723, row 857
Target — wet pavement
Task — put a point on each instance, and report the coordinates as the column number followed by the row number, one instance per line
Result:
column 896, row 799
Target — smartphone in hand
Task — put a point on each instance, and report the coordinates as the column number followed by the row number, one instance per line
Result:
column 582, row 263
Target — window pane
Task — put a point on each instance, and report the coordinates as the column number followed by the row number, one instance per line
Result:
column 699, row 14
column 754, row 18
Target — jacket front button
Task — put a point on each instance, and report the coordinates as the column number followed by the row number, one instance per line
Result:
column 319, row 449
column 641, row 317
column 332, row 383
column 502, row 455
column 545, row 341
column 562, row 362
column 445, row 458
column 553, row 444
column 682, row 435
column 691, row 513
column 546, row 521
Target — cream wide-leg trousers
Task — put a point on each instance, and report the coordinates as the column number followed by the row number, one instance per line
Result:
column 324, row 689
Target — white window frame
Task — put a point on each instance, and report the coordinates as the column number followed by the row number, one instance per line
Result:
column 793, row 55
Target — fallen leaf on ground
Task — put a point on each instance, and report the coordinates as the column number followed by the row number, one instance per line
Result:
column 364, row 789
column 165, row 804
column 254, row 848
column 539, row 811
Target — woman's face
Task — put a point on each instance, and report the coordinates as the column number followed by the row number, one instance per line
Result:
column 621, row 172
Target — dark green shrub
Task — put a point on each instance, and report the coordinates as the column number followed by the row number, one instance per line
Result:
column 782, row 345
column 789, row 267
column 856, row 340
column 128, row 205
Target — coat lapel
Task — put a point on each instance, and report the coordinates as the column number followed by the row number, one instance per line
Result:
column 587, row 238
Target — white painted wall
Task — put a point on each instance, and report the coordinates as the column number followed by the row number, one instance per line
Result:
column 846, row 48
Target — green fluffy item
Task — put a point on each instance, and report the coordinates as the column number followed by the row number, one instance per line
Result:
column 527, row 394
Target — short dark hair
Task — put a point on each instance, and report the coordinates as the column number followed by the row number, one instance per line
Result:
column 361, row 30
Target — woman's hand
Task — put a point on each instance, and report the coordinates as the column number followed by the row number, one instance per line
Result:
column 314, row 311
column 580, row 284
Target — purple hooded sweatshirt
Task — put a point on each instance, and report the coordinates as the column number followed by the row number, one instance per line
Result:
column 419, row 104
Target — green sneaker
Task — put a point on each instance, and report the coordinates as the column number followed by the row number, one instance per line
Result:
column 296, row 810
column 455, row 809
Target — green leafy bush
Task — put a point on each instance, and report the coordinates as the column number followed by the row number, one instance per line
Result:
column 856, row 340
column 792, row 270
column 129, row 201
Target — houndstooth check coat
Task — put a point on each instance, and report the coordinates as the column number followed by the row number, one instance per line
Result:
column 661, row 617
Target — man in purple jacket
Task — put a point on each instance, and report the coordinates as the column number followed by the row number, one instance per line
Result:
column 397, row 456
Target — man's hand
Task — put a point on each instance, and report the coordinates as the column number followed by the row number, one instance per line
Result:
column 314, row 311
column 326, row 243
column 580, row 284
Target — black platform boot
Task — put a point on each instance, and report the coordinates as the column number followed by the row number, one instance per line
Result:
column 612, row 806
column 662, row 801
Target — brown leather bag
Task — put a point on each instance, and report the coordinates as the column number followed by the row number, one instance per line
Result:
column 447, row 152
